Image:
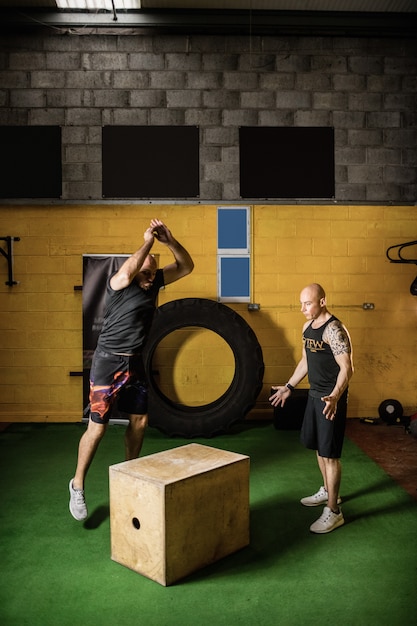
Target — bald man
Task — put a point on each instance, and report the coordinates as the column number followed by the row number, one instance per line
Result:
column 327, row 360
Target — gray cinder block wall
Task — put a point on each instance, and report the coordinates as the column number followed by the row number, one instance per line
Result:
column 366, row 88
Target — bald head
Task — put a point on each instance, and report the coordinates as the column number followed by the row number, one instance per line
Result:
column 315, row 291
column 146, row 275
column 313, row 302
column 149, row 264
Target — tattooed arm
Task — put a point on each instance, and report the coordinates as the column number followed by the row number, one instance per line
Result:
column 337, row 336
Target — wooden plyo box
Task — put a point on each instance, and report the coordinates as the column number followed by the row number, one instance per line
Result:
column 174, row 512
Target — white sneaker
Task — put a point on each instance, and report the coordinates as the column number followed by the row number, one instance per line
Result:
column 320, row 497
column 328, row 521
column 77, row 505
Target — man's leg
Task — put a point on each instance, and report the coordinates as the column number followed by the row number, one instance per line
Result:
column 87, row 448
column 331, row 470
column 332, row 516
column 322, row 469
column 331, row 445
column 135, row 433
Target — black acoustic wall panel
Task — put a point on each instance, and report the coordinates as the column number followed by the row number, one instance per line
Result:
column 286, row 162
column 30, row 162
column 150, row 161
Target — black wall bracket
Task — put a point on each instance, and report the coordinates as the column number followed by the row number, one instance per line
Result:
column 8, row 255
column 400, row 259
column 399, row 248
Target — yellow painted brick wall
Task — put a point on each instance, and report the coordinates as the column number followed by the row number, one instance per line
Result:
column 342, row 247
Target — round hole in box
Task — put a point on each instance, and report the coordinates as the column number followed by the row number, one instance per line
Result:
column 136, row 523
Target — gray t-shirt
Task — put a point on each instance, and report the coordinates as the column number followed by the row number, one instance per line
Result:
column 128, row 316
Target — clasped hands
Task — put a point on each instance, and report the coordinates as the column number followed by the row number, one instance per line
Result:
column 159, row 231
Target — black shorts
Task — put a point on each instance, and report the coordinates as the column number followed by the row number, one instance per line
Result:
column 114, row 376
column 318, row 433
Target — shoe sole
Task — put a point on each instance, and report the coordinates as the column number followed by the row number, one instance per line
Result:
column 324, row 532
column 339, row 501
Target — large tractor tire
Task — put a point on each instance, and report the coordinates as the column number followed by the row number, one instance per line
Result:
column 216, row 417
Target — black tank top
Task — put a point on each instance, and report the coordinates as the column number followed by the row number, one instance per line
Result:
column 322, row 366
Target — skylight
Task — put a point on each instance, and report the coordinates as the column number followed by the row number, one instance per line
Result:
column 96, row 5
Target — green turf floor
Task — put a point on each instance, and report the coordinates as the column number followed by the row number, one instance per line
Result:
column 56, row 571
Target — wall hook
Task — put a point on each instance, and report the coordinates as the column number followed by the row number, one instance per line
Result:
column 400, row 259
column 399, row 248
column 9, row 257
